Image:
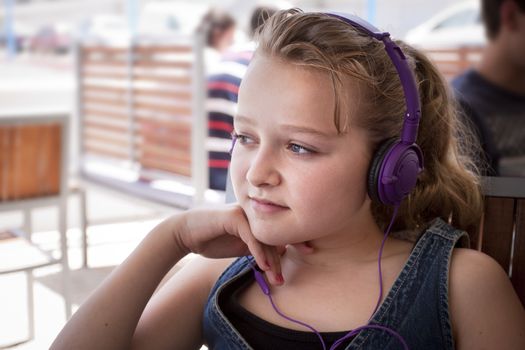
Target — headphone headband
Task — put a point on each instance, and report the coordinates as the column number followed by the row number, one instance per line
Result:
column 395, row 166
column 398, row 58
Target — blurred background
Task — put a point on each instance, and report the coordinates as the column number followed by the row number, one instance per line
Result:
column 38, row 37
column 53, row 26
column 41, row 73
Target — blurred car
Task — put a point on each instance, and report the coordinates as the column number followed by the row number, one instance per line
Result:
column 55, row 38
column 21, row 34
column 163, row 18
column 105, row 29
column 456, row 26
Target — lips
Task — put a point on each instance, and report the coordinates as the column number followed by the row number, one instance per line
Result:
column 266, row 206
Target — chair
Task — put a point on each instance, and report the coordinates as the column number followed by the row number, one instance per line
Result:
column 33, row 173
column 501, row 233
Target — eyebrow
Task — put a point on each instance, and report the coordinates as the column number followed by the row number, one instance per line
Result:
column 288, row 127
column 244, row 119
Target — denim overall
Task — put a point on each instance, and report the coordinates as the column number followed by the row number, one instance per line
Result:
column 416, row 306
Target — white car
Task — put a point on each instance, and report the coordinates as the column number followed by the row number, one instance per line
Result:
column 106, row 29
column 457, row 26
column 164, row 18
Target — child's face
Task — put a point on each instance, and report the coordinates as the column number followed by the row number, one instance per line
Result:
column 296, row 178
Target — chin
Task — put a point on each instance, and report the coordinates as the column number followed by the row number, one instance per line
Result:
column 269, row 236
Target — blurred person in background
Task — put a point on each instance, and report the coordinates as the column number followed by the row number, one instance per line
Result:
column 493, row 94
column 218, row 28
column 223, row 86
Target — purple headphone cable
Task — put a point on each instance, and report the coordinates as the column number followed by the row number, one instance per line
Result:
column 266, row 290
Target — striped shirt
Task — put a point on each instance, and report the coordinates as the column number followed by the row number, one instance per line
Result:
column 221, row 105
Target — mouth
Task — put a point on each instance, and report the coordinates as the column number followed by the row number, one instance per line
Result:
column 266, row 206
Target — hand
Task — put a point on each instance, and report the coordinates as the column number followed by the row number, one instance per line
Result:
column 225, row 232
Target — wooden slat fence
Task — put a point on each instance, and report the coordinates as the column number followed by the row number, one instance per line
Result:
column 143, row 106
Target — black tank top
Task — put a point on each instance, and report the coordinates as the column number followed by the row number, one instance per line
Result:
column 263, row 335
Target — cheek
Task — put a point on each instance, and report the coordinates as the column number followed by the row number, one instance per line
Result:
column 342, row 186
column 237, row 171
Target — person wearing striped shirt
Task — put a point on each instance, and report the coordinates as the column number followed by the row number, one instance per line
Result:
column 223, row 87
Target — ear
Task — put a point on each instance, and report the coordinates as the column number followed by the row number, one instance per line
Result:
column 509, row 12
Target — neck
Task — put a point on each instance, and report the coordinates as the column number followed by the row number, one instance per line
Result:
column 354, row 247
column 497, row 67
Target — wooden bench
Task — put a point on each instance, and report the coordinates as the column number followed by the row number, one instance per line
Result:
column 142, row 119
column 452, row 62
column 501, row 233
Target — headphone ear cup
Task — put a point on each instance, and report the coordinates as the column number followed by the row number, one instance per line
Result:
column 375, row 168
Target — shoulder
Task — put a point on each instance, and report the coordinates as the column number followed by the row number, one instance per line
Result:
column 470, row 268
column 462, row 80
column 457, row 81
column 485, row 310
column 472, row 261
column 232, row 66
column 465, row 79
column 173, row 316
column 208, row 270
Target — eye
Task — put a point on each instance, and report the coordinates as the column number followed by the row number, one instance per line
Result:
column 242, row 139
column 298, row 149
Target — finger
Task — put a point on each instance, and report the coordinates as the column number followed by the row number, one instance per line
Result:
column 267, row 257
column 303, row 248
column 258, row 252
column 256, row 248
column 274, row 274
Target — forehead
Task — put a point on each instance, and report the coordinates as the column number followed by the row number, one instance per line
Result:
column 291, row 93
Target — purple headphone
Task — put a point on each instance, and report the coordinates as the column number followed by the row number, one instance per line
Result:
column 397, row 163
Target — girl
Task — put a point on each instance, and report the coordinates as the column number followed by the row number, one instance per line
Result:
column 318, row 99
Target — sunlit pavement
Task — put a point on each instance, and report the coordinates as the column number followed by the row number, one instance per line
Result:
column 37, row 81
column 118, row 223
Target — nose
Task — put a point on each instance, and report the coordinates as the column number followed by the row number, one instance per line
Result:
column 263, row 169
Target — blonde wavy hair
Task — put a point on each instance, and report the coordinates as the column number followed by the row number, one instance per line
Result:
column 449, row 187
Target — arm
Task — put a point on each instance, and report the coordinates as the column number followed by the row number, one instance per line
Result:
column 173, row 317
column 485, row 310
column 108, row 319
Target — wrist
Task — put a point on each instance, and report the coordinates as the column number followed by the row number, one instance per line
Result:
column 179, row 230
